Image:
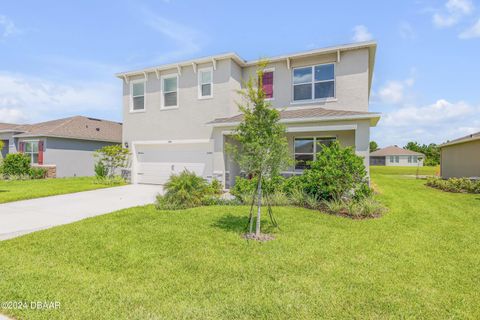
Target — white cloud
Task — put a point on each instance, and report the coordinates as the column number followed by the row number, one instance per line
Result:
column 406, row 30
column 393, row 91
column 186, row 40
column 7, row 27
column 12, row 115
column 472, row 32
column 361, row 33
column 436, row 122
column 453, row 12
column 28, row 98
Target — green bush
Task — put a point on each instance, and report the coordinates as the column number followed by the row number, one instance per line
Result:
column 247, row 187
column 362, row 208
column 337, row 173
column 454, row 185
column 16, row 164
column 101, row 171
column 186, row 190
column 38, row 173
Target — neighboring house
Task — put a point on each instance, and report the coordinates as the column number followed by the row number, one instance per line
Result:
column 64, row 146
column 180, row 116
column 395, row 156
column 461, row 157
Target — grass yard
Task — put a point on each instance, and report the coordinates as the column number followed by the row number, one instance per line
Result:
column 29, row 189
column 421, row 260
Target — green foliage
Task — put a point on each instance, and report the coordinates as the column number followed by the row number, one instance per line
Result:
column 431, row 152
column 101, row 171
column 186, row 190
column 361, row 208
column 373, row 146
column 216, row 187
column 462, row 185
column 112, row 158
column 262, row 148
column 336, row 173
column 110, row 181
column 38, row 173
column 16, row 164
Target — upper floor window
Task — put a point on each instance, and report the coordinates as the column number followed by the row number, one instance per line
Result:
column 267, row 83
column 137, row 89
column 205, row 83
column 170, row 91
column 315, row 82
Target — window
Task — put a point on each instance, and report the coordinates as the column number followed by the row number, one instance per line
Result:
column 409, row 159
column 31, row 149
column 306, row 150
column 137, row 90
column 397, row 159
column 169, row 91
column 415, row 159
column 315, row 82
column 267, row 84
column 205, row 83
column 394, row 159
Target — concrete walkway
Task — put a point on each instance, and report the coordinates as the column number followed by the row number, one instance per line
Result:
column 21, row 217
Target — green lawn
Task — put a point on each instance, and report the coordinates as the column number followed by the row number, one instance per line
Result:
column 404, row 170
column 29, row 189
column 421, row 260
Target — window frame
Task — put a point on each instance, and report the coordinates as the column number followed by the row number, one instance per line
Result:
column 199, row 82
column 313, row 82
column 315, row 138
column 272, row 70
column 31, row 153
column 132, row 82
column 162, row 98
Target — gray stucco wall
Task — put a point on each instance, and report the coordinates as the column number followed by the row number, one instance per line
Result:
column 72, row 157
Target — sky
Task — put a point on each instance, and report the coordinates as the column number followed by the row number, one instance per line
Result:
column 58, row 58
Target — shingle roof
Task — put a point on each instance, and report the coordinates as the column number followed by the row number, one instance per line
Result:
column 77, row 127
column 302, row 114
column 394, row 151
column 11, row 126
column 473, row 136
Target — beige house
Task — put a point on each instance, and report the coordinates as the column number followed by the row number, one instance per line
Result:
column 396, row 156
column 180, row 116
column 461, row 157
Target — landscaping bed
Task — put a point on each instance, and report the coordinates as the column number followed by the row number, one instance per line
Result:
column 418, row 261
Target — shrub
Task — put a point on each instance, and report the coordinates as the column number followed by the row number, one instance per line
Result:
column 101, row 171
column 454, row 184
column 363, row 208
column 247, row 187
column 186, row 190
column 112, row 157
column 336, row 173
column 16, row 164
column 38, row 173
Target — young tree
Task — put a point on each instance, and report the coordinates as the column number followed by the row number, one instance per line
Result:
column 112, row 158
column 373, row 146
column 262, row 149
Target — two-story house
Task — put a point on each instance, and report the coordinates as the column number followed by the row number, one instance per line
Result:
column 180, row 116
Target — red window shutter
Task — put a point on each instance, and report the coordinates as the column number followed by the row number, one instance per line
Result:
column 267, row 82
column 40, row 152
column 21, row 147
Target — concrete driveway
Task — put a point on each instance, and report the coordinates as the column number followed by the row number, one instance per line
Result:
column 21, row 217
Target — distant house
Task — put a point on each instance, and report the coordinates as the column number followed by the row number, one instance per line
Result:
column 395, row 156
column 63, row 146
column 461, row 157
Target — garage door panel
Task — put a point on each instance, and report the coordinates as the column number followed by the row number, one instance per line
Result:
column 156, row 163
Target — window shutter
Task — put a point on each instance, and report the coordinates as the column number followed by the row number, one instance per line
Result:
column 21, row 147
column 40, row 152
column 267, row 83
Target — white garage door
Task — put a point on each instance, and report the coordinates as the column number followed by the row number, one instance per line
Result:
column 157, row 162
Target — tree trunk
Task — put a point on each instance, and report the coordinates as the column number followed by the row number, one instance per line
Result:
column 259, row 208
